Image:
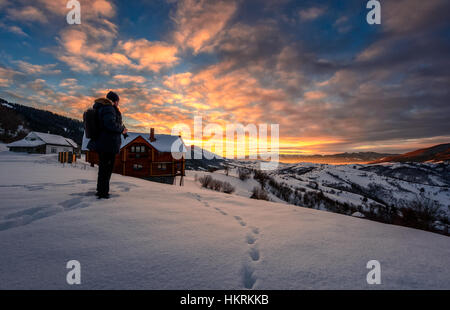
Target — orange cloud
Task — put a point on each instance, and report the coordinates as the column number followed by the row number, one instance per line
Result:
column 27, row 14
column 130, row 78
column 91, row 9
column 102, row 7
column 178, row 80
column 29, row 68
column 199, row 22
column 314, row 95
column 7, row 75
column 74, row 41
column 150, row 55
column 81, row 51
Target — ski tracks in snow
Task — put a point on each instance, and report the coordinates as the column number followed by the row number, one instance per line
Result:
column 247, row 271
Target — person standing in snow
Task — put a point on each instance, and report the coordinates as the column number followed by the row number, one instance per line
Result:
column 107, row 145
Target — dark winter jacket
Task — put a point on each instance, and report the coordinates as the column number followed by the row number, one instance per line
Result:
column 110, row 120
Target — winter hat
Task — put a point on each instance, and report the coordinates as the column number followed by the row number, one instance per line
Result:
column 112, row 96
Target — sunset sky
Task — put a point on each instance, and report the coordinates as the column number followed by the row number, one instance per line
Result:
column 331, row 81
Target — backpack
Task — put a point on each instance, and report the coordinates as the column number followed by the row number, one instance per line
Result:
column 91, row 124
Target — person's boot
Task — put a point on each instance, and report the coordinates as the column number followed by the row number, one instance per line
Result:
column 102, row 196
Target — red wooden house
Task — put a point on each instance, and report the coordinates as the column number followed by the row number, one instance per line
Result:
column 146, row 156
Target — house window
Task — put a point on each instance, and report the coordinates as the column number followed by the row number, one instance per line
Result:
column 53, row 150
column 162, row 166
column 137, row 167
column 138, row 149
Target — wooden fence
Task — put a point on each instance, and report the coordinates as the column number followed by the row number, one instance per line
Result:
column 67, row 157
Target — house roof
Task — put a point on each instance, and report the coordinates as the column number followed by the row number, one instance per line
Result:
column 42, row 138
column 72, row 143
column 54, row 139
column 26, row 143
column 163, row 143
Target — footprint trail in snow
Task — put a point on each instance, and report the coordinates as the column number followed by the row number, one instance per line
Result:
column 247, row 271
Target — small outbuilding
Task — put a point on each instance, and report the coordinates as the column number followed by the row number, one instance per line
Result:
column 43, row 143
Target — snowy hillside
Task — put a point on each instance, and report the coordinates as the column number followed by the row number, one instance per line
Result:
column 409, row 194
column 242, row 188
column 157, row 236
column 394, row 186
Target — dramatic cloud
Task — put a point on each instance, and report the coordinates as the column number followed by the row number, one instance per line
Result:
column 7, row 75
column 130, row 78
column 91, row 9
column 30, row 69
column 332, row 82
column 69, row 83
column 199, row 22
column 152, row 56
column 314, row 95
column 311, row 13
column 405, row 16
column 27, row 14
column 90, row 47
column 13, row 29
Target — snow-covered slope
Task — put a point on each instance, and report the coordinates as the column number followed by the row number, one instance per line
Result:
column 156, row 236
column 378, row 191
column 3, row 147
column 342, row 177
column 409, row 194
column 242, row 188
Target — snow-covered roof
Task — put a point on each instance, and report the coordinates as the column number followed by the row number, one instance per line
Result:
column 163, row 142
column 72, row 143
column 35, row 138
column 52, row 139
column 26, row 143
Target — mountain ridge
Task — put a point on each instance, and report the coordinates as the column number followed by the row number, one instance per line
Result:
column 346, row 157
column 435, row 153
